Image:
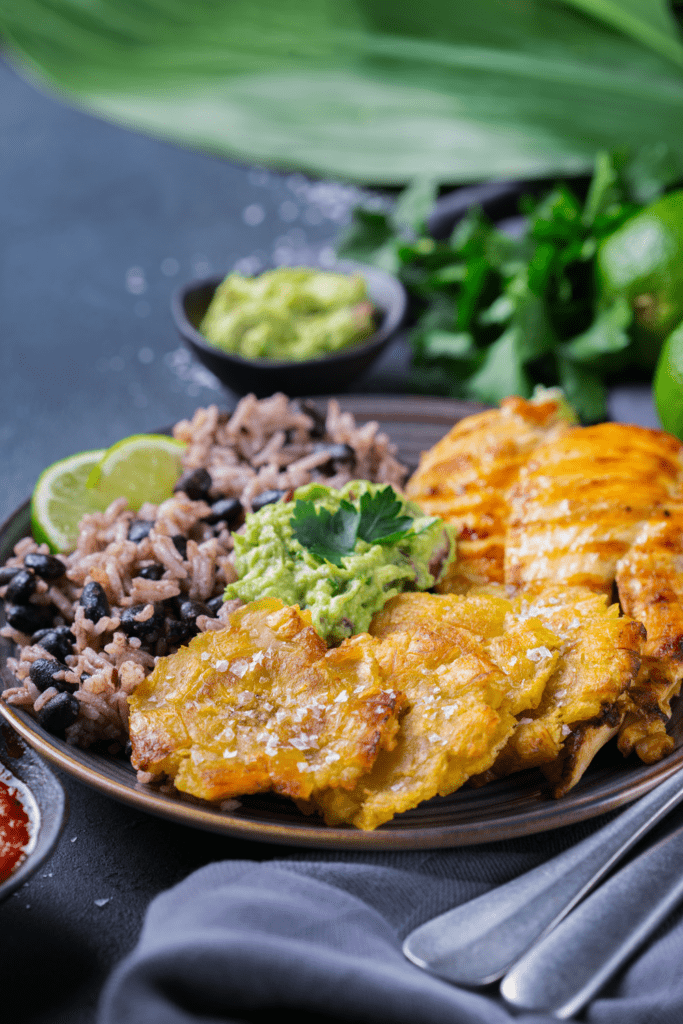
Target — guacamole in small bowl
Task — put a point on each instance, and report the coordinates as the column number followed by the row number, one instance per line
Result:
column 291, row 313
column 340, row 553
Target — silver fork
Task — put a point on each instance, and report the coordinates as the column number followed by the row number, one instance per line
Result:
column 477, row 943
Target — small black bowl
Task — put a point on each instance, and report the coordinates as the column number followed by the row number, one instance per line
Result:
column 325, row 375
column 44, row 798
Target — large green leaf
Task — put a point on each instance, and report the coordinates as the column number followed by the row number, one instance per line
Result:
column 372, row 90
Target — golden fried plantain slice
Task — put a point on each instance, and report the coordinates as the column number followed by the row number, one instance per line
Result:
column 465, row 477
column 650, row 583
column 460, row 705
column 263, row 705
column 519, row 645
column 586, row 698
column 580, row 499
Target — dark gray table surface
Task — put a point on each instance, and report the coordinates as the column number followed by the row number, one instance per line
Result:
column 98, row 225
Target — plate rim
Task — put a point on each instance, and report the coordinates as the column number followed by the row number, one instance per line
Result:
column 546, row 815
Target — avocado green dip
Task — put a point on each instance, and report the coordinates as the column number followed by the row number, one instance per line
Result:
column 342, row 598
column 292, row 313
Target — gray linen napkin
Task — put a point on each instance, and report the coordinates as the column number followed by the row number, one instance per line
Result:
column 320, row 934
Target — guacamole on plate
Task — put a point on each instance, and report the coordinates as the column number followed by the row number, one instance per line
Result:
column 288, row 314
column 341, row 554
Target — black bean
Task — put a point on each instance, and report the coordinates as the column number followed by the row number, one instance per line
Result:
column 58, row 641
column 225, row 510
column 46, row 566
column 215, row 605
column 59, row 712
column 149, row 630
column 266, row 498
column 318, row 428
column 339, row 455
column 139, row 529
column 28, row 618
column 20, row 587
column 94, row 602
column 42, row 671
column 178, row 633
column 196, row 484
column 7, row 572
column 152, row 572
column 180, row 543
column 189, row 610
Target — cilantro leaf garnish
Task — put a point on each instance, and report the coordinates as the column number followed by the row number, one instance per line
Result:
column 332, row 535
column 326, row 534
column 380, row 522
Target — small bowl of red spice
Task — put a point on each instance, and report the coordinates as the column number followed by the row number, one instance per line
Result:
column 32, row 811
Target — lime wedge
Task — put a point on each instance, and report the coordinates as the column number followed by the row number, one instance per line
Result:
column 667, row 385
column 61, row 498
column 144, row 467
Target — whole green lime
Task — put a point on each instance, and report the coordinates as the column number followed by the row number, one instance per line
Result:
column 643, row 262
column 667, row 385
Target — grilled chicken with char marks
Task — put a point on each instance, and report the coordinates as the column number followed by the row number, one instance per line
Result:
column 650, row 582
column 464, row 479
column 580, row 500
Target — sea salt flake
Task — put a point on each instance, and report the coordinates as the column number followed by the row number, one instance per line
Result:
column 102, row 902
column 304, row 742
column 538, row 653
column 222, row 665
column 204, row 656
column 341, row 698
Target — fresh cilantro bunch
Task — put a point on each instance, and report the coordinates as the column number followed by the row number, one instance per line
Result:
column 331, row 535
column 498, row 314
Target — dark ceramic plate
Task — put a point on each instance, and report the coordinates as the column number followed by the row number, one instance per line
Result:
column 308, row 377
column 44, row 797
column 517, row 806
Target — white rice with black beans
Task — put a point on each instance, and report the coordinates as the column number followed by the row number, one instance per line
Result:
column 139, row 585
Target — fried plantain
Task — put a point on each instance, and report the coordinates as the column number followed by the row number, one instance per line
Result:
column 461, row 705
column 587, row 696
column 263, row 705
